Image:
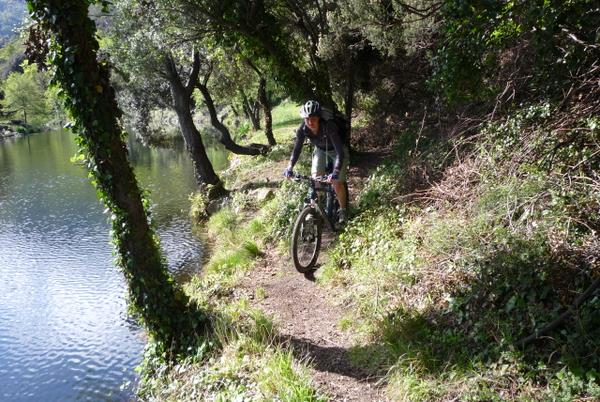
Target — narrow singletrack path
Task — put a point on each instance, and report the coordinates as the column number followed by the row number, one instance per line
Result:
column 307, row 317
column 308, row 320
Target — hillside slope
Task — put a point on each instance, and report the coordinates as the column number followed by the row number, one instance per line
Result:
column 460, row 247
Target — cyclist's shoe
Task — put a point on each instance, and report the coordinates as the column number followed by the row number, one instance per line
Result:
column 342, row 217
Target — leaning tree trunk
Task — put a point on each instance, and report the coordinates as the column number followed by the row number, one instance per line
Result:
column 263, row 100
column 161, row 305
column 224, row 135
column 266, row 106
column 181, row 94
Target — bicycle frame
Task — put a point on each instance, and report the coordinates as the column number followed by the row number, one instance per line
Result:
column 328, row 211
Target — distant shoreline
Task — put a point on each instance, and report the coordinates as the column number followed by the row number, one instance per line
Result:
column 10, row 130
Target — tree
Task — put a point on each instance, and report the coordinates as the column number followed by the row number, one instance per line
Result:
column 24, row 93
column 225, row 135
column 233, row 77
column 266, row 33
column 262, row 99
column 291, row 40
column 163, row 308
column 182, row 95
column 153, row 77
column 148, row 48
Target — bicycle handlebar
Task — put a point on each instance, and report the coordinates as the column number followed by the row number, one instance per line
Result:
column 320, row 179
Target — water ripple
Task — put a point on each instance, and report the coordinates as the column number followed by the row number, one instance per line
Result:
column 64, row 333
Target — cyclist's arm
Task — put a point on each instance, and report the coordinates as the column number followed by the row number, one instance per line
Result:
column 297, row 147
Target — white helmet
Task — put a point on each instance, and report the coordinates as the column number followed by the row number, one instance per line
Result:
column 310, row 108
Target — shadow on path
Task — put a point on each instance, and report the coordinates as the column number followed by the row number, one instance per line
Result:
column 331, row 359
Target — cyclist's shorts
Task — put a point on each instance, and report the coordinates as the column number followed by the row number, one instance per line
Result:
column 319, row 162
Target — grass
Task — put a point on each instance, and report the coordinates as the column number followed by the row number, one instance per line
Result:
column 441, row 287
column 286, row 115
column 243, row 363
column 241, row 359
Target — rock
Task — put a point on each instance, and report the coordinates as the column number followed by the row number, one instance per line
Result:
column 262, row 194
column 7, row 132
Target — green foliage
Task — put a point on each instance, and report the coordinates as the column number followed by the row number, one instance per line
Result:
column 284, row 379
column 381, row 186
column 243, row 130
column 550, row 39
column 24, row 94
column 380, row 23
column 568, row 386
column 57, row 116
column 282, row 210
column 234, row 245
column 374, row 260
column 242, row 362
column 199, row 206
column 416, row 154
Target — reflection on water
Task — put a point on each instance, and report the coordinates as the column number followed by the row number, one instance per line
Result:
column 64, row 333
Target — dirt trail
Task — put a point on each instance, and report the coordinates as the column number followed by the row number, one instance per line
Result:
column 309, row 320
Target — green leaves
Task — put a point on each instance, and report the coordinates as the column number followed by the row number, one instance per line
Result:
column 481, row 39
column 24, row 94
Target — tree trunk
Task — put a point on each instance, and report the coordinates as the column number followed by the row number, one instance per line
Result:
column 349, row 99
column 162, row 306
column 225, row 136
column 203, row 169
column 251, row 111
column 266, row 106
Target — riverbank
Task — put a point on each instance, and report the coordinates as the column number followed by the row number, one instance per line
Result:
column 15, row 129
column 456, row 251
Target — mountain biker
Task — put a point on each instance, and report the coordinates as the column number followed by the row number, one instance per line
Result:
column 324, row 135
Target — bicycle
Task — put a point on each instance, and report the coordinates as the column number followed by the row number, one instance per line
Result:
column 308, row 227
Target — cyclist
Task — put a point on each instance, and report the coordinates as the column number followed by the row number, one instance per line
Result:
column 328, row 146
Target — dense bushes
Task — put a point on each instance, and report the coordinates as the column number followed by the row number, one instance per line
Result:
column 488, row 48
column 447, row 281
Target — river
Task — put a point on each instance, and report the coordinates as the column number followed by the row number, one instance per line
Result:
column 64, row 330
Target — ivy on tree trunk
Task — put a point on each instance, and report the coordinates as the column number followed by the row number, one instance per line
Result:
column 161, row 305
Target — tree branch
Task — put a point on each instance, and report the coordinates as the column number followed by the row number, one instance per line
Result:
column 570, row 310
column 189, row 87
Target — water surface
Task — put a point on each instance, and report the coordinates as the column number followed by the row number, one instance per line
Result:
column 64, row 331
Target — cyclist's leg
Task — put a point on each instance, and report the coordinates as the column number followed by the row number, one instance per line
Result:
column 318, row 162
column 339, row 186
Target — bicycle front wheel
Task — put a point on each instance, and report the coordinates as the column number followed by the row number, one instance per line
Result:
column 306, row 239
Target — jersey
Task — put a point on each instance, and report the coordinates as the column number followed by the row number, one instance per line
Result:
column 327, row 139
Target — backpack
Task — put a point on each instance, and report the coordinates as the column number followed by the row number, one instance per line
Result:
column 340, row 121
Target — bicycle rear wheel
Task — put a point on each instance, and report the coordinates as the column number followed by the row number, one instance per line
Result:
column 306, row 239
